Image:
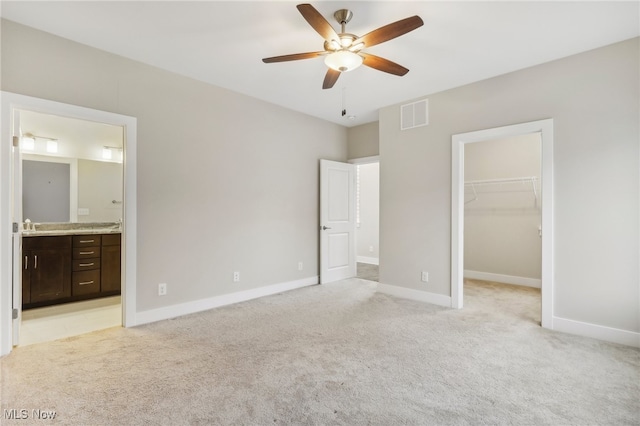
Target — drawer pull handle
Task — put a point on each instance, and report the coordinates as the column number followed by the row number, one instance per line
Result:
column 86, row 283
column 87, row 252
column 86, row 264
column 86, row 241
column 35, row 266
column 26, row 262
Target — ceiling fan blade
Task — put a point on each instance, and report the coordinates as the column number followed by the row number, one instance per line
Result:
column 317, row 21
column 390, row 31
column 293, row 57
column 330, row 79
column 382, row 64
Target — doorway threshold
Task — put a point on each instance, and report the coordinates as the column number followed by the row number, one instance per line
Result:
column 70, row 319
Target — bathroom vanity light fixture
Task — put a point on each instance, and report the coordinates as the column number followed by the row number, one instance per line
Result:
column 52, row 146
column 28, row 142
column 108, row 153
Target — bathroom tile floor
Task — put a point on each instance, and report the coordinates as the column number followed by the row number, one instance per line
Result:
column 69, row 319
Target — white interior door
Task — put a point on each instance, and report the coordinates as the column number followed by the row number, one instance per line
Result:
column 337, row 221
column 16, row 214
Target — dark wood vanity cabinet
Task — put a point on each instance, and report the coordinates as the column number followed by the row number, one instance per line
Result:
column 61, row 269
column 46, row 269
column 111, row 270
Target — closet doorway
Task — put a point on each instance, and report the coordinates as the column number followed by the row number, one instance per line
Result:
column 502, row 211
column 367, row 217
column 502, row 247
column 505, row 195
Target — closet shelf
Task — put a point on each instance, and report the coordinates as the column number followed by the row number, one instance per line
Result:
column 525, row 179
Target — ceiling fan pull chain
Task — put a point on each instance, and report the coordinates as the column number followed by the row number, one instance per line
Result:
column 344, row 101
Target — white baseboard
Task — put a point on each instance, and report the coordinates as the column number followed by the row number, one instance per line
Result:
column 595, row 331
column 173, row 311
column 369, row 260
column 506, row 279
column 409, row 293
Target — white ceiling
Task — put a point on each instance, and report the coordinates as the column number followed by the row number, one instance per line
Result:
column 222, row 43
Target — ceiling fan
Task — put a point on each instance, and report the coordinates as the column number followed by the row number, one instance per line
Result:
column 343, row 51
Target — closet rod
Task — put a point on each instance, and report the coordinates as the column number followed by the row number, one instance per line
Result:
column 528, row 179
column 498, row 181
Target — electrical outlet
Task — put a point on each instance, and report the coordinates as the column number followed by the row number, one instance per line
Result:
column 425, row 276
column 370, row 249
column 236, row 277
column 162, row 289
column 300, row 266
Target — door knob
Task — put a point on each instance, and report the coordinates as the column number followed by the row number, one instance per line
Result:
column 324, row 228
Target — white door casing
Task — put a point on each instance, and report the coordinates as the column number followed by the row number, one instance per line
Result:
column 16, row 217
column 337, row 221
column 545, row 128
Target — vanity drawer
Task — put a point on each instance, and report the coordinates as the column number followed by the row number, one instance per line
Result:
column 86, row 252
column 86, row 240
column 85, row 282
column 85, row 264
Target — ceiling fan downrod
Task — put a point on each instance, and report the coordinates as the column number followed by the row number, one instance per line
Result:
column 343, row 16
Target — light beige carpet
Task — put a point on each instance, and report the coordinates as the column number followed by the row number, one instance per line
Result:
column 332, row 354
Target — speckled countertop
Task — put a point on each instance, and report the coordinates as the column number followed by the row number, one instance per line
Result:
column 42, row 229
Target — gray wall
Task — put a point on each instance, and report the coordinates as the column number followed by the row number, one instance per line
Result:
column 225, row 182
column 593, row 98
column 363, row 140
column 501, row 220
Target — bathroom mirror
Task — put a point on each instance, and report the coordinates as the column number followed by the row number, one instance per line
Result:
column 79, row 178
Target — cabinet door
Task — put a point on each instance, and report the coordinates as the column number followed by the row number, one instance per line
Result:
column 26, row 276
column 110, row 268
column 50, row 274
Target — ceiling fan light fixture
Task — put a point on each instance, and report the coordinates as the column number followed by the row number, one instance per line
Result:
column 346, row 40
column 343, row 60
column 343, row 51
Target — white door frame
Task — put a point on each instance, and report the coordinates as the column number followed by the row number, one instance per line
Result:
column 545, row 128
column 12, row 101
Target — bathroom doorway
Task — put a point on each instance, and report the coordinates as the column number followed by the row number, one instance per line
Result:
column 75, row 184
column 11, row 232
